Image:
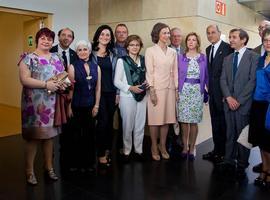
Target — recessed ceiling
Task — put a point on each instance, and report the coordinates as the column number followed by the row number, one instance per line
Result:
column 260, row 6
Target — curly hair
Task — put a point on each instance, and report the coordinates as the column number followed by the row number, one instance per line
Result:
column 156, row 30
column 110, row 46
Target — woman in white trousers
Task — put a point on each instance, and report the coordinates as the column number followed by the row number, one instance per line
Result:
column 130, row 80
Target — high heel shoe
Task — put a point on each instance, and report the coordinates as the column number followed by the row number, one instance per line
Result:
column 259, row 181
column 51, row 175
column 164, row 153
column 155, row 155
column 31, row 179
column 266, row 181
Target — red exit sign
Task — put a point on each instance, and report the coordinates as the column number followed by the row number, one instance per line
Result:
column 220, row 8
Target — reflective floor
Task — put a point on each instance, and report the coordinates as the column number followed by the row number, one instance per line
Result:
column 165, row 180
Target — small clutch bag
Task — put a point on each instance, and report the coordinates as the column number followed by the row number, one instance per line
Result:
column 61, row 77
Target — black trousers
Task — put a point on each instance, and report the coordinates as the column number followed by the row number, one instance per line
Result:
column 82, row 139
column 105, row 122
column 218, row 127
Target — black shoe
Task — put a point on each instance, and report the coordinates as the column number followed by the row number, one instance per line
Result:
column 226, row 168
column 139, row 157
column 125, row 158
column 257, row 168
column 209, row 156
column 218, row 159
column 240, row 173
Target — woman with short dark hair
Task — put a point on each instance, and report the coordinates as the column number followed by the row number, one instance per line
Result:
column 38, row 104
column 162, row 77
column 259, row 130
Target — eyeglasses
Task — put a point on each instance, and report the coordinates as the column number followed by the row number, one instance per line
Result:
column 266, row 40
column 134, row 45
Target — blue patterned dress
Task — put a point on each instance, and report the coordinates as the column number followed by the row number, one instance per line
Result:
column 190, row 106
column 38, row 107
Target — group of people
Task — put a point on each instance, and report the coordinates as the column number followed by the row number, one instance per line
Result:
column 168, row 85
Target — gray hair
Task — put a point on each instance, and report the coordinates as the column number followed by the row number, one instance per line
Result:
column 83, row 43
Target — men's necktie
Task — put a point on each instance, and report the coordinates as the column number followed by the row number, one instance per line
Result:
column 212, row 55
column 235, row 63
column 178, row 50
column 64, row 58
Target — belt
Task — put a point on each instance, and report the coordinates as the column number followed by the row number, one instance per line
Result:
column 192, row 80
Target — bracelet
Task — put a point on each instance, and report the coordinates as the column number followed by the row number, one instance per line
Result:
column 96, row 106
column 45, row 85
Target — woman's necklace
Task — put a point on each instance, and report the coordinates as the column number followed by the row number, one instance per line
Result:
column 88, row 71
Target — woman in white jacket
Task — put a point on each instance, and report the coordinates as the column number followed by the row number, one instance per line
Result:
column 130, row 80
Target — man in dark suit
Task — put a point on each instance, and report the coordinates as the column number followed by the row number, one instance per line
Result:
column 237, row 85
column 259, row 49
column 65, row 38
column 215, row 55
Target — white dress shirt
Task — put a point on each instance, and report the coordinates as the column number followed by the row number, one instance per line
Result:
column 60, row 52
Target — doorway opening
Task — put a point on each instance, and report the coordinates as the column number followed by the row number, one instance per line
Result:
column 18, row 29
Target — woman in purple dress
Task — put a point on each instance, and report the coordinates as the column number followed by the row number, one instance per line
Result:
column 38, row 105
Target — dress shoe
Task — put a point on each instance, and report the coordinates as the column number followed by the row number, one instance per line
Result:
column 257, row 168
column 191, row 157
column 155, row 155
column 164, row 153
column 240, row 173
column 51, row 175
column 259, row 181
column 125, row 158
column 184, row 155
column 31, row 179
column 218, row 159
column 226, row 168
column 209, row 156
column 139, row 157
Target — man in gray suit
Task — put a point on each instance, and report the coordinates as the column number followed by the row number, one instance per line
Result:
column 237, row 83
column 176, row 40
column 259, row 49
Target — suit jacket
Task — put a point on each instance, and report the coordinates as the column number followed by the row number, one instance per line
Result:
column 245, row 79
column 72, row 54
column 214, row 72
column 161, row 68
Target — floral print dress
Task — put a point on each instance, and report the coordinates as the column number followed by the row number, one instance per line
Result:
column 190, row 106
column 38, row 106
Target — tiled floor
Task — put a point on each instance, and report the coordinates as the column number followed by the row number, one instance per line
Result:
column 165, row 180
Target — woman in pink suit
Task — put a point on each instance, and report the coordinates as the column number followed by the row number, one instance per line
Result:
column 162, row 76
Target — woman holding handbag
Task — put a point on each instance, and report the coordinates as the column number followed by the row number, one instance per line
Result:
column 130, row 80
column 38, row 105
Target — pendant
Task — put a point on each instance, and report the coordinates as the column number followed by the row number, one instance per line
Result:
column 88, row 77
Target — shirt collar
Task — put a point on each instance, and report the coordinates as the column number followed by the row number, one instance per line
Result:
column 242, row 50
column 217, row 44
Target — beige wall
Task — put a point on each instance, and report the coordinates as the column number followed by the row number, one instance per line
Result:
column 189, row 15
column 11, row 44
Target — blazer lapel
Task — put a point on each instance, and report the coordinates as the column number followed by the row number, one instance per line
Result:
column 219, row 52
